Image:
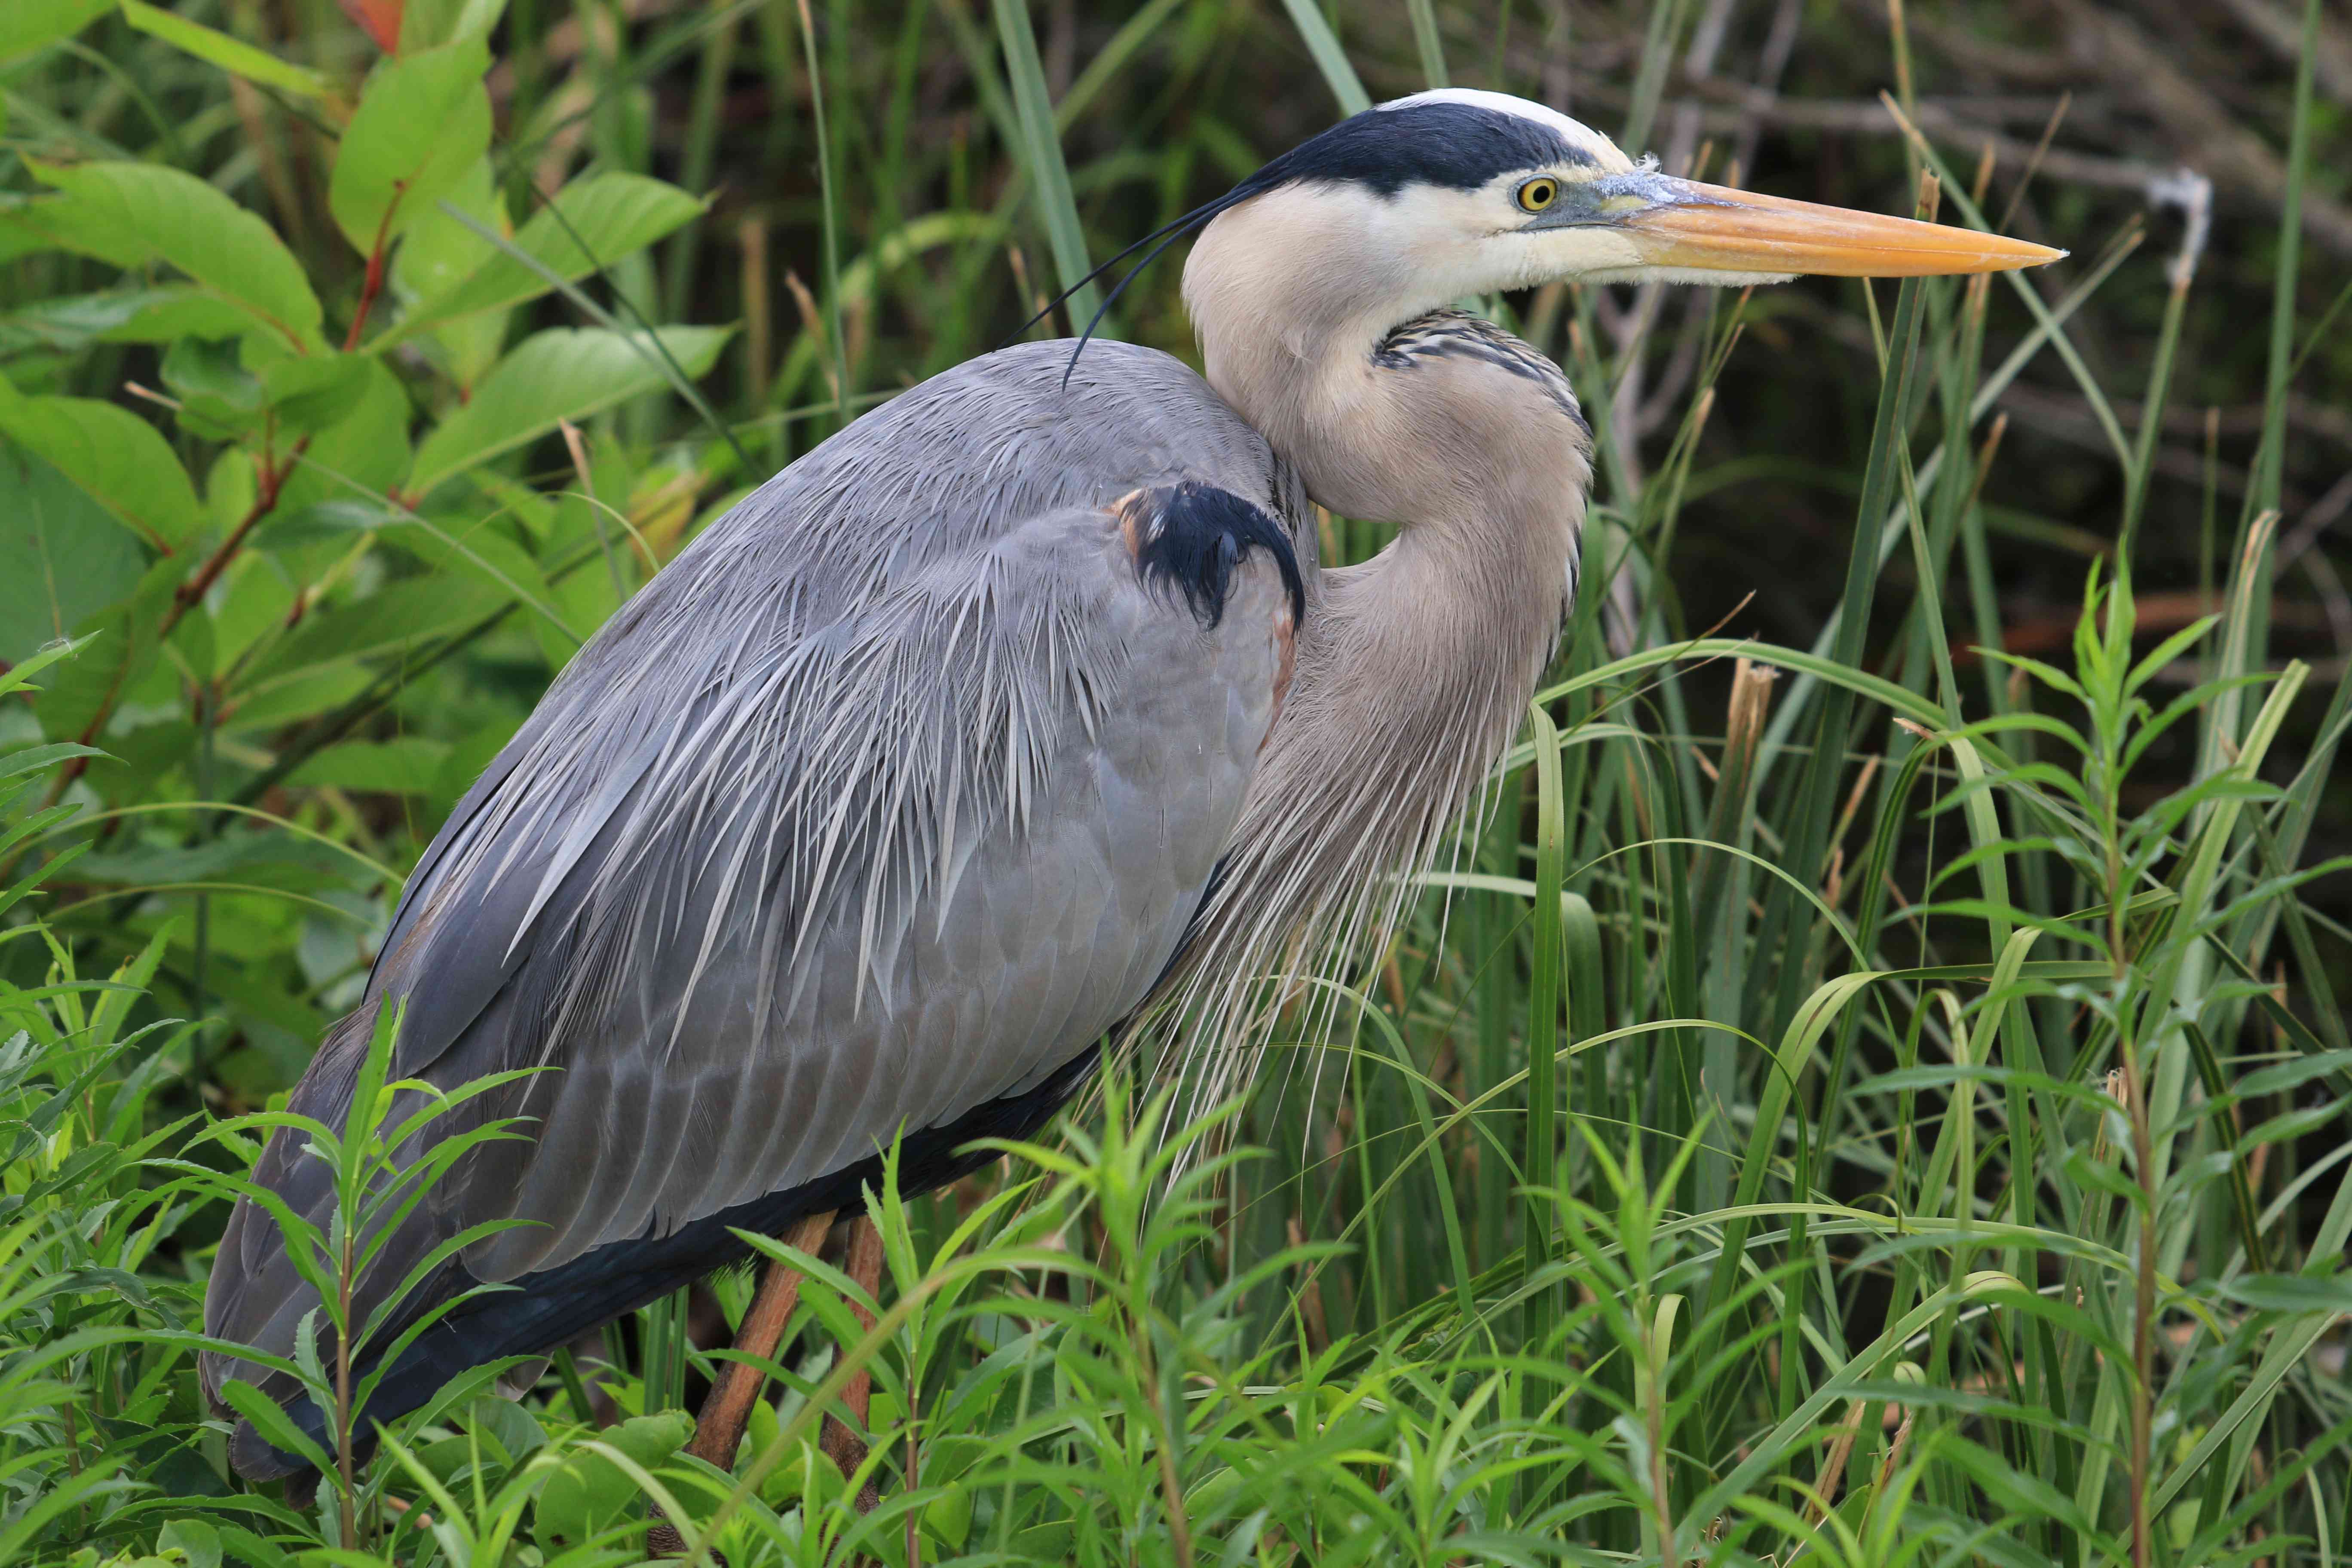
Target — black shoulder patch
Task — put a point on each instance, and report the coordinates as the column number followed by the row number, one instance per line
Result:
column 1188, row 538
column 1460, row 146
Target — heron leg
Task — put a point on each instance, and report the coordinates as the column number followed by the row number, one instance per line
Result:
column 727, row 1408
column 842, row 1442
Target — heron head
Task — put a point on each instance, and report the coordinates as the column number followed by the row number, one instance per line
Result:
column 1431, row 198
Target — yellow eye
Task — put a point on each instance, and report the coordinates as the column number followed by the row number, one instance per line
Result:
column 1538, row 194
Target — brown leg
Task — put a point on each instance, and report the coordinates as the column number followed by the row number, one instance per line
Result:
column 842, row 1445
column 727, row 1409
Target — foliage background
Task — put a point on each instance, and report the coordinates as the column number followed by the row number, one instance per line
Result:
column 331, row 422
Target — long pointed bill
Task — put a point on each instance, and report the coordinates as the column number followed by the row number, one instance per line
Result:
column 1712, row 229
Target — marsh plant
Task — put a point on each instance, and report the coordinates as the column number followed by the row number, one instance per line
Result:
column 1875, row 1097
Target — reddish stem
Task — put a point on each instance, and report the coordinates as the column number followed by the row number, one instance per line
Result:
column 374, row 285
column 264, row 500
column 273, row 480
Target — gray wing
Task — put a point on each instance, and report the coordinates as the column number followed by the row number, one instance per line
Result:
column 887, row 796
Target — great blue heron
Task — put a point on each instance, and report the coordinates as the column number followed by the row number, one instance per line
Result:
column 1021, row 703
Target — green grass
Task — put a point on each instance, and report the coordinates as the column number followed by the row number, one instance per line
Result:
column 1861, row 1099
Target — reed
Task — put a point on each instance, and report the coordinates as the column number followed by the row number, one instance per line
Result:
column 1873, row 1093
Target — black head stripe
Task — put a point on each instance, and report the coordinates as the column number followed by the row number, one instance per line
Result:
column 1460, row 146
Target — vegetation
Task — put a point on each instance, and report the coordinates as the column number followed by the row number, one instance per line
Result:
column 1876, row 1094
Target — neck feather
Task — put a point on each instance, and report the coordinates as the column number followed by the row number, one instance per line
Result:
column 1414, row 668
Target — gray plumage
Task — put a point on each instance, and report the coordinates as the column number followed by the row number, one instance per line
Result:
column 890, row 793
column 1019, row 711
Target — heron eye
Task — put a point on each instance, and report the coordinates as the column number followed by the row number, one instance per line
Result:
column 1538, row 194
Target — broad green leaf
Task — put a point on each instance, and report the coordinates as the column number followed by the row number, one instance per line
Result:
column 463, row 546
column 591, row 1492
column 26, row 25
column 562, row 374
column 118, row 460
column 308, row 393
column 29, row 225
column 593, row 222
column 231, row 388
column 160, row 315
column 220, row 400
column 232, row 54
column 62, row 560
column 395, row 618
column 425, row 22
column 255, row 597
column 361, row 454
column 441, row 250
column 135, row 212
column 296, row 697
column 510, row 1429
column 83, row 691
column 197, row 1542
column 404, row 766
column 422, row 121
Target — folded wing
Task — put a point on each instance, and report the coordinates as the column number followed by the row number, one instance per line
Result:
column 882, row 802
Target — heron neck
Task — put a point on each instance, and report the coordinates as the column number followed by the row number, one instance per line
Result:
column 1413, row 670
column 1468, row 440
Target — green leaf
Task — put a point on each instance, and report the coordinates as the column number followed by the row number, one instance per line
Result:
column 296, row 697
column 26, row 25
column 34, row 759
column 62, row 560
column 198, row 1543
column 425, row 22
column 440, row 251
column 1330, row 59
column 220, row 400
column 29, row 225
column 422, row 121
column 2289, row 1124
column 590, row 223
column 359, row 456
column 509, row 1427
column 2291, row 1292
column 308, row 393
column 391, row 621
column 462, row 547
column 591, row 1492
column 404, row 766
column 562, row 374
column 159, row 315
column 116, row 459
column 271, row 1421
column 132, row 214
column 229, row 388
column 1040, row 152
column 2294, row 1074
column 251, row 1549
column 232, row 54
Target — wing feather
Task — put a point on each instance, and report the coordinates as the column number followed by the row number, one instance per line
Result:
column 886, row 798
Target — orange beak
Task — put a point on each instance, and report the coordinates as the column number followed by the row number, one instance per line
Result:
column 1712, row 229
